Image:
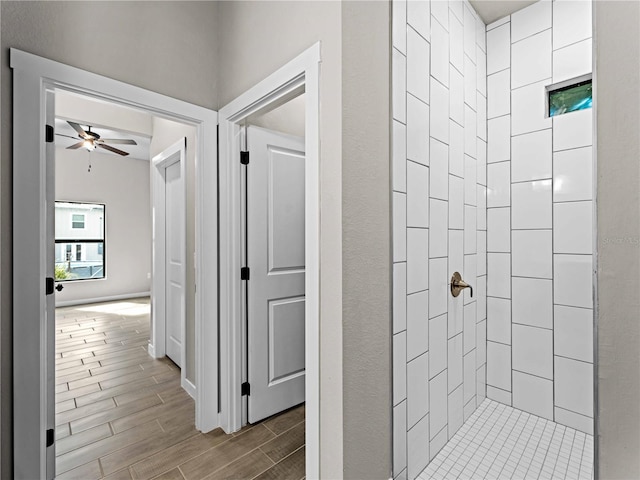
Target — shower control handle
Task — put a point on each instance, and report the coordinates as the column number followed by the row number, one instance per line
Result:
column 457, row 285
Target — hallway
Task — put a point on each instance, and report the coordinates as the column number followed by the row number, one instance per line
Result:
column 122, row 414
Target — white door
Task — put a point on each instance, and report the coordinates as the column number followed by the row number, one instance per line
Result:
column 275, row 257
column 174, row 257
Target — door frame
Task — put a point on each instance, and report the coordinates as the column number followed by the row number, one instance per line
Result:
column 299, row 75
column 33, row 76
column 176, row 153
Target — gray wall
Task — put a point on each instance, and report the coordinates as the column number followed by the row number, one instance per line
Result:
column 366, row 239
column 130, row 43
column 617, row 46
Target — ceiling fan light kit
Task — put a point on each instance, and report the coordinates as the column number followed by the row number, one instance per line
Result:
column 90, row 140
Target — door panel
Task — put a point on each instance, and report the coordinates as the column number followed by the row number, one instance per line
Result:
column 275, row 255
column 174, row 290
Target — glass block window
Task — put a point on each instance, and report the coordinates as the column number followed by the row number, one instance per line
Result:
column 578, row 96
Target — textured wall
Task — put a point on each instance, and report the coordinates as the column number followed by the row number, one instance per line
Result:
column 540, row 209
column 439, row 225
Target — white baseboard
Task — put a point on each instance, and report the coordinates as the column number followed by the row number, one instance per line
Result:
column 151, row 350
column 189, row 387
column 111, row 298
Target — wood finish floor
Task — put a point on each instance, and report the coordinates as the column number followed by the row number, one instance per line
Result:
column 121, row 414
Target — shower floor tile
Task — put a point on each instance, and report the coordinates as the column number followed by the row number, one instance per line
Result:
column 500, row 442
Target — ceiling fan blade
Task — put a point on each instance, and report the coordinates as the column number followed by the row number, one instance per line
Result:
column 112, row 149
column 68, row 136
column 78, row 128
column 121, row 141
column 76, row 145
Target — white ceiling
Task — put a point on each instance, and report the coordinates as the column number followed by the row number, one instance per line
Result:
column 139, row 151
column 492, row 10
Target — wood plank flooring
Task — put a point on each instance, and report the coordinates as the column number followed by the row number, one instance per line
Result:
column 121, row 414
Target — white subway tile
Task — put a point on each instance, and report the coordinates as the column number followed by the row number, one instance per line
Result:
column 531, row 156
column 456, row 251
column 499, row 94
column 469, row 82
column 531, row 59
column 573, row 130
column 481, row 71
column 498, row 184
column 574, row 385
column 439, row 111
column 439, row 170
column 571, row 22
column 573, row 175
column 470, row 136
column 482, row 206
column 418, row 448
column 531, row 20
column 399, row 227
column 499, row 230
column 456, row 95
column 470, row 228
column 456, row 43
column 399, row 86
column 470, row 179
column 469, row 33
column 499, row 275
column 419, row 16
column 470, row 374
column 438, row 442
column 399, row 438
column 470, row 273
column 417, row 130
column 454, row 363
column 438, row 403
column 573, row 227
column 533, row 350
column 457, row 8
column 532, row 302
column 499, row 320
column 437, row 345
column 417, row 324
column 499, row 366
column 498, row 48
column 499, row 143
column 469, row 330
column 438, row 229
column 440, row 12
column 399, row 297
column 399, row 367
column 481, row 155
column 438, row 287
column 399, row 25
column 498, row 23
column 531, row 253
column 533, row 394
column 417, row 259
column 417, row 195
column 456, row 202
column 481, row 384
column 418, row 55
column 528, row 109
column 399, row 157
column 417, row 389
column 497, row 394
column 531, row 204
column 455, row 409
column 439, row 53
column 574, row 420
column 455, row 310
column 572, row 61
column 573, row 332
column 482, row 254
column 481, row 35
column 573, row 283
column 481, row 115
column 456, row 149
column 481, row 342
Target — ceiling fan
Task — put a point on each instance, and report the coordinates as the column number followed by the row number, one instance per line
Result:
column 90, row 140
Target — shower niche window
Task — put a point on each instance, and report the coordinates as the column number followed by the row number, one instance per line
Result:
column 569, row 96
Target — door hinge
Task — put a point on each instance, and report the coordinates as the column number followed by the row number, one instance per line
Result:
column 244, row 273
column 48, row 133
column 244, row 158
column 48, row 285
column 245, row 389
column 50, row 437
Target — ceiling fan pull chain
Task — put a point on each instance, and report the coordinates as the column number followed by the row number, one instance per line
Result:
column 89, row 169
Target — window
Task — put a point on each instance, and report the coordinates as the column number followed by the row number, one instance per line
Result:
column 570, row 98
column 77, row 220
column 80, row 244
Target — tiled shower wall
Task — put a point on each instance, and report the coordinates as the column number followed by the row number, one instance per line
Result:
column 439, row 225
column 540, row 232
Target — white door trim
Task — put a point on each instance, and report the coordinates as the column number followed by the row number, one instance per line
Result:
column 176, row 153
column 300, row 74
column 32, row 76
